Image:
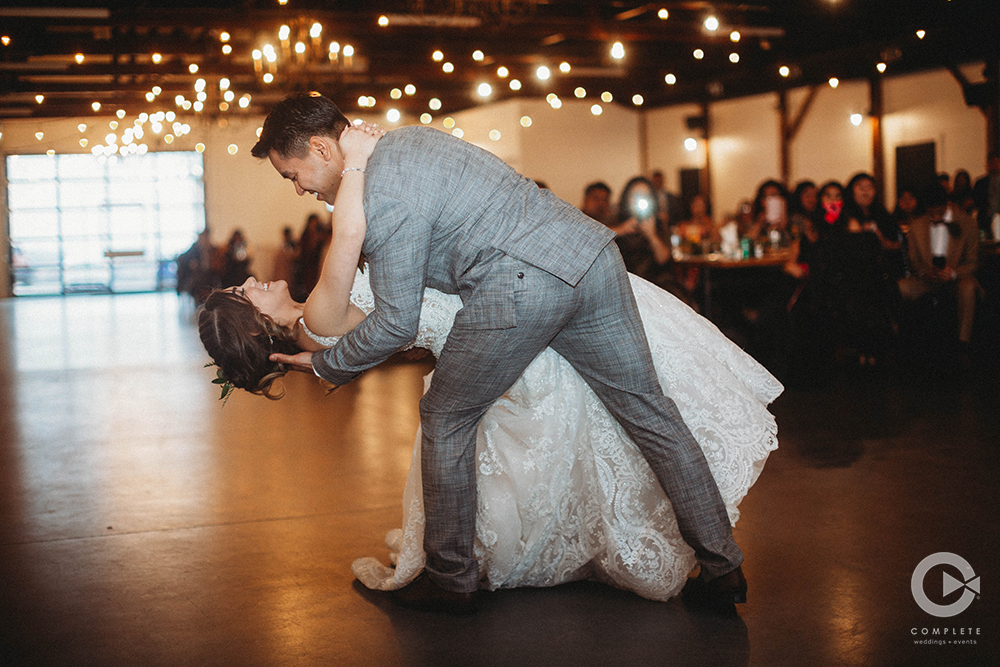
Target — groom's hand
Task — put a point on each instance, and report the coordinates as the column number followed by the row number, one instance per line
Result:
column 299, row 362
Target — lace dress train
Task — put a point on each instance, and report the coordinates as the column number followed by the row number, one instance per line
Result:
column 563, row 494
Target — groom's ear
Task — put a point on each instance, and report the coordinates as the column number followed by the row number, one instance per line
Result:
column 322, row 147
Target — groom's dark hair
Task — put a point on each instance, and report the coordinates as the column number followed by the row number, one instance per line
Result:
column 294, row 120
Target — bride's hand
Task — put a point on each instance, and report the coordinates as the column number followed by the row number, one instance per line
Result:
column 357, row 142
column 301, row 362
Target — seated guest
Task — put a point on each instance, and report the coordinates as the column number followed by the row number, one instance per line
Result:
column 699, row 228
column 645, row 252
column 597, row 202
column 944, row 250
column 986, row 194
column 770, row 214
column 865, row 213
column 801, row 209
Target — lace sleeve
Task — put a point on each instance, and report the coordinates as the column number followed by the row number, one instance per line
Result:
column 325, row 341
column 436, row 316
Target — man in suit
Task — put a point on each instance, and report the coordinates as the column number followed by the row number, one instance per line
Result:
column 532, row 272
column 986, row 194
column 944, row 251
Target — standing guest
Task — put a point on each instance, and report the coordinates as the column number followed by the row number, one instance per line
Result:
column 284, row 259
column 944, row 251
column 945, row 180
column 235, row 260
column 196, row 274
column 961, row 191
column 866, row 214
column 644, row 251
column 906, row 210
column 597, row 202
column 308, row 259
column 986, row 194
column 669, row 207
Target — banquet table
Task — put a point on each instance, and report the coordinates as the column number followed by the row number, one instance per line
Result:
column 710, row 262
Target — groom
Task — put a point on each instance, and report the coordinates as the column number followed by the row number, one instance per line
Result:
column 533, row 272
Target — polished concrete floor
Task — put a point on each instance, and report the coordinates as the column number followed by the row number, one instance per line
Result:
column 144, row 523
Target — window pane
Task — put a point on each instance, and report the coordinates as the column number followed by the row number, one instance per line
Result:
column 79, row 166
column 33, row 223
column 86, row 250
column 85, row 222
column 30, row 194
column 30, row 167
column 82, row 193
column 67, row 211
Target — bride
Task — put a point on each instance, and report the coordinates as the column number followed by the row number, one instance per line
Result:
column 563, row 494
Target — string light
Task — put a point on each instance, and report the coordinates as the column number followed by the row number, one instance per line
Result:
column 834, row 82
column 478, row 55
column 663, row 14
column 447, row 68
column 617, row 50
column 698, row 54
column 543, row 73
column 670, row 79
column 383, row 21
column 437, row 56
column 79, row 58
column 564, row 67
column 157, row 58
column 734, row 57
column 502, row 72
column 711, row 24
column 426, row 118
column 484, row 90
column 525, row 121
column 596, row 109
column 410, row 89
column 637, row 100
column 580, row 92
column 495, row 135
column 880, row 67
column 515, row 84
column 784, row 71
column 734, row 36
column 607, row 97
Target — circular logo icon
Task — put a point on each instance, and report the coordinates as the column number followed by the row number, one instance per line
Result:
column 950, row 584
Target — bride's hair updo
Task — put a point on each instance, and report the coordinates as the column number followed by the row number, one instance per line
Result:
column 240, row 339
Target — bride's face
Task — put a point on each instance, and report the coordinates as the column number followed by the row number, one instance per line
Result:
column 270, row 297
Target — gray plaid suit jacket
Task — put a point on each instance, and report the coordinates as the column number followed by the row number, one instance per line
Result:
column 440, row 213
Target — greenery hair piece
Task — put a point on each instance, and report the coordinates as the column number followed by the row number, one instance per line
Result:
column 221, row 379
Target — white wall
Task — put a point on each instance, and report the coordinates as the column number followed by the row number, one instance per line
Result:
column 666, row 130
column 744, row 149
column 827, row 145
column 926, row 107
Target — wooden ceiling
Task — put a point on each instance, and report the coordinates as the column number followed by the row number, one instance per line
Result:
column 61, row 58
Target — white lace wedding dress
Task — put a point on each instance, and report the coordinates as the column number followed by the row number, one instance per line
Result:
column 563, row 493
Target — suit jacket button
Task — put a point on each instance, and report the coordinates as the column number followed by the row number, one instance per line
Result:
column 520, row 274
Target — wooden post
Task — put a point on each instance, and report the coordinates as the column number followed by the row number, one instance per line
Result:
column 783, row 134
column 878, row 151
column 706, row 176
column 790, row 127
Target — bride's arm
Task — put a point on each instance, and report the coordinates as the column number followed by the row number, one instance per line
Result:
column 328, row 310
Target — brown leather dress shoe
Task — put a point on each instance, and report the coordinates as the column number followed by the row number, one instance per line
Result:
column 716, row 596
column 423, row 594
